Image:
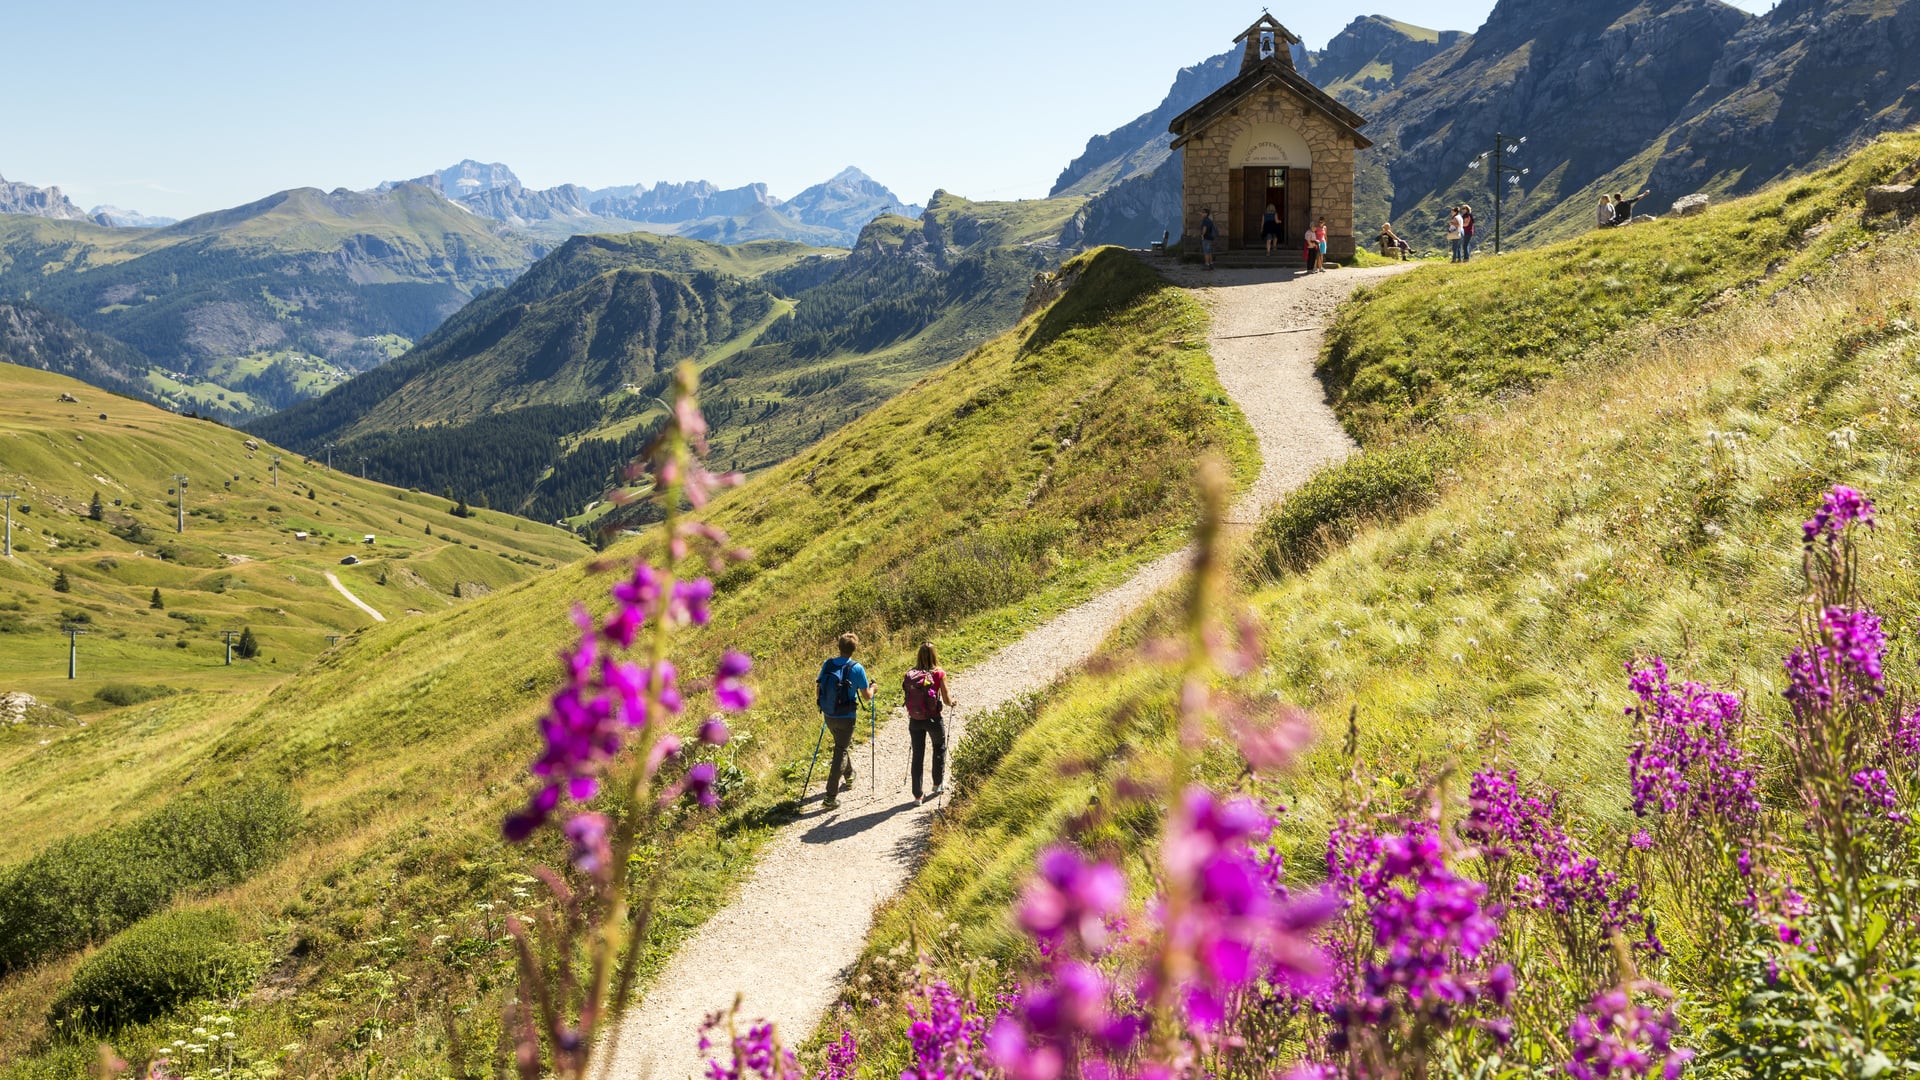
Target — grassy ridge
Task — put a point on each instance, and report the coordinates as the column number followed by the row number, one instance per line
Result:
column 239, row 563
column 1057, row 457
column 1651, row 507
column 1424, row 343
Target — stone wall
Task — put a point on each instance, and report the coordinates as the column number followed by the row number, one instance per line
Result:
column 1208, row 183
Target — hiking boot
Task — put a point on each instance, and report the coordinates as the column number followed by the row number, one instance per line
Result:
column 847, row 784
column 830, row 804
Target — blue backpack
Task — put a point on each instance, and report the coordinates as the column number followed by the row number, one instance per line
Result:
column 838, row 696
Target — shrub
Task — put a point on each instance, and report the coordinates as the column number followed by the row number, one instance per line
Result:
column 86, row 888
column 157, row 965
column 987, row 740
column 124, row 694
column 1375, row 485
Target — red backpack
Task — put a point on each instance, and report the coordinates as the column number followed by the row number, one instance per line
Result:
column 923, row 695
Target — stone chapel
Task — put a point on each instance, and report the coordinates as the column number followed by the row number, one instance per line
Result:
column 1268, row 137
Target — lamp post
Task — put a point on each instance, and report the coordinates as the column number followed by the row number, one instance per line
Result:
column 363, row 466
column 276, row 470
column 73, row 650
column 180, row 502
column 229, row 635
column 8, row 499
column 329, row 449
column 1504, row 175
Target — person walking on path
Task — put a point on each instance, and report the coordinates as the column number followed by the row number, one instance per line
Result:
column 1455, row 231
column 1466, row 232
column 1208, row 234
column 927, row 696
column 1270, row 228
column 1604, row 217
column 843, row 686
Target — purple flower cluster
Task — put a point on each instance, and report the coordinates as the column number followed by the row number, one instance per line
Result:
column 1843, row 506
column 1688, row 758
column 947, row 1036
column 1071, row 1012
column 1842, row 665
column 604, row 697
column 1615, row 1038
column 1903, row 736
column 1875, row 792
column 842, row 1058
column 1070, row 899
column 1552, row 872
column 1225, row 920
column 1429, row 930
column 756, row 1054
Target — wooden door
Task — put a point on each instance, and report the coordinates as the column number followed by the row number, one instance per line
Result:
column 1251, row 193
column 1299, row 206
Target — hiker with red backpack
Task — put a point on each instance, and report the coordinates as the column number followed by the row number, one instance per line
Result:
column 926, row 691
column 843, row 686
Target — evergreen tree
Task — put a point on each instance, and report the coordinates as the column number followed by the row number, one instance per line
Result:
column 429, row 530
column 248, row 646
column 60, row 582
column 156, row 603
column 95, row 510
column 310, row 494
column 462, row 510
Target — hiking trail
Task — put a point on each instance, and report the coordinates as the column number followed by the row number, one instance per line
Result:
column 341, row 587
column 802, row 917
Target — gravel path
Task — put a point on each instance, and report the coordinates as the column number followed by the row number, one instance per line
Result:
column 335, row 581
column 802, row 918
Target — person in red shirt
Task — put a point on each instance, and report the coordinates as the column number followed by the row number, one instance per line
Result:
column 927, row 696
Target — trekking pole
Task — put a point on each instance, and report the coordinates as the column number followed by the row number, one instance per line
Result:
column 810, row 761
column 873, row 746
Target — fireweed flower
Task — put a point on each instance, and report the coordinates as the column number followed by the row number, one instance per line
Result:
column 1875, row 793
column 1904, row 735
column 755, row 1054
column 947, row 1036
column 1551, row 870
column 689, row 602
column 635, row 601
column 699, row 784
column 1070, row 899
column 1843, row 506
column 1230, row 928
column 842, row 1058
column 1614, row 1037
column 587, row 837
column 1841, row 665
column 713, row 731
column 1688, row 757
column 729, row 688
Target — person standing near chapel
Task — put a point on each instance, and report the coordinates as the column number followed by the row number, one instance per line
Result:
column 1456, row 229
column 843, row 686
column 1208, row 234
column 1466, row 232
column 927, row 697
column 1270, row 228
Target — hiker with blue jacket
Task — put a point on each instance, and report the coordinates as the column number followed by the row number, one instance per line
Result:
column 843, row 686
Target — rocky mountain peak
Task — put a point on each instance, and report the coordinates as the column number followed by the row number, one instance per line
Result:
column 46, row 202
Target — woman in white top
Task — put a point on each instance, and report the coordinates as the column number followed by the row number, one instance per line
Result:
column 1456, row 234
column 1605, row 216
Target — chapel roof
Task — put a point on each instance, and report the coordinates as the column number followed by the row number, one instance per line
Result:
column 1257, row 74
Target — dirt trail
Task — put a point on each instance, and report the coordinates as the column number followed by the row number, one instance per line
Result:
column 335, row 581
column 802, row 918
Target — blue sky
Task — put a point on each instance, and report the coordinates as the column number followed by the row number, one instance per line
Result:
column 192, row 106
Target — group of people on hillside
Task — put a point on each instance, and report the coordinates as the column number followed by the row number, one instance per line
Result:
column 1460, row 235
column 1617, row 208
column 1313, row 239
column 844, row 687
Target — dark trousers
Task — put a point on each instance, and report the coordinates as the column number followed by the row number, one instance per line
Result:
column 842, row 730
column 921, row 730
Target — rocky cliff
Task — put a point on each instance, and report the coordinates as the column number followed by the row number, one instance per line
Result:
column 46, row 202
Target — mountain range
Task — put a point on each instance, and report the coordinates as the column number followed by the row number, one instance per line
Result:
column 50, row 202
column 830, row 213
column 1681, row 96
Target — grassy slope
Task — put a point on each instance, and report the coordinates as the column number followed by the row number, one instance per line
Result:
column 237, row 565
column 1585, row 524
column 1426, row 341
column 1064, row 450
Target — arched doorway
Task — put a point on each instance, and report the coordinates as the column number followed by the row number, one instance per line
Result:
column 1269, row 165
